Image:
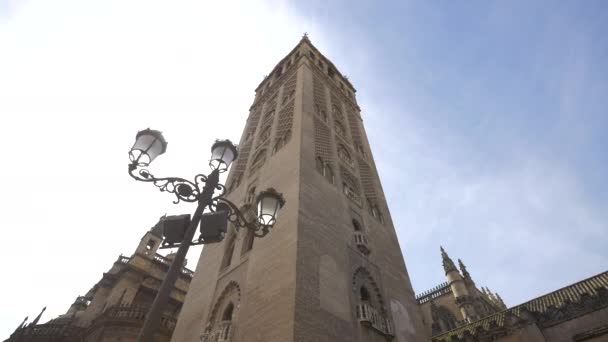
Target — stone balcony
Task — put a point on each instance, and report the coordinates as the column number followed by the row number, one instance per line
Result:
column 221, row 333
column 370, row 317
column 361, row 242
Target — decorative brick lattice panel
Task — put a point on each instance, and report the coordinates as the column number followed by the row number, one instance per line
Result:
column 335, row 101
column 350, row 179
column 355, row 131
column 253, row 123
column 354, row 191
column 289, row 90
column 263, row 138
column 241, row 163
column 283, row 134
column 322, row 141
column 319, row 93
column 367, row 179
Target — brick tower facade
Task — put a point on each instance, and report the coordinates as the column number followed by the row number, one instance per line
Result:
column 331, row 269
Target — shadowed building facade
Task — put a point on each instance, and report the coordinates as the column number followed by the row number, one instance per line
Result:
column 331, row 269
column 115, row 308
column 458, row 310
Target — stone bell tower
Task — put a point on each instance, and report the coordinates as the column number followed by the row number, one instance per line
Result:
column 331, row 269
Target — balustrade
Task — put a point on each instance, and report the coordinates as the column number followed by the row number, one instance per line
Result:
column 137, row 313
column 369, row 316
column 361, row 242
column 221, row 333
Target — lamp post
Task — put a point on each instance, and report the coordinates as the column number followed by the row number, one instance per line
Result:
column 213, row 210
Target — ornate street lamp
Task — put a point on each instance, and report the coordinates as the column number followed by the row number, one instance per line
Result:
column 179, row 230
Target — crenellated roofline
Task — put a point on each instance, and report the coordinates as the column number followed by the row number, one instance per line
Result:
column 433, row 293
column 568, row 302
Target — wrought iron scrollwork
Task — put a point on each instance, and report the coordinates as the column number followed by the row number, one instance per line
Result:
column 183, row 189
column 203, row 187
column 236, row 216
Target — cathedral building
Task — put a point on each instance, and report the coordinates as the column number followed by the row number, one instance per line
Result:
column 331, row 269
column 115, row 308
column 457, row 310
column 457, row 301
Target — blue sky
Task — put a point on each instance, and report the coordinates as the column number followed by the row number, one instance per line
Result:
column 487, row 121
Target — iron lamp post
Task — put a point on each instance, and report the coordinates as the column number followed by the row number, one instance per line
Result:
column 213, row 211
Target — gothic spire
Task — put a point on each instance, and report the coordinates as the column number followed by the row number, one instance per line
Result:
column 448, row 264
column 465, row 273
column 21, row 326
column 500, row 301
column 35, row 321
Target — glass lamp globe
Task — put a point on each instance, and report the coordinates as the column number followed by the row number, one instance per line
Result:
column 149, row 144
column 223, row 153
column 269, row 203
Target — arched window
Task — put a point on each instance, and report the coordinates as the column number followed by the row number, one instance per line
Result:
column 364, row 294
column 344, row 155
column 376, row 212
column 360, row 149
column 250, row 195
column 235, row 182
column 356, row 225
column 336, row 112
column 258, row 160
column 268, row 116
column 277, row 145
column 328, row 173
column 227, row 315
column 331, row 72
column 265, row 133
column 228, row 252
column 319, row 165
column 150, row 245
column 349, row 191
column 248, row 242
column 340, row 128
column 447, row 320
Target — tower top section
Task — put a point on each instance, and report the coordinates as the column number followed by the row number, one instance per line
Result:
column 306, row 50
column 448, row 264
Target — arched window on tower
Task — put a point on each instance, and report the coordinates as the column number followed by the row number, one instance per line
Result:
column 321, row 113
column 277, row 145
column 319, row 165
column 375, row 211
column 258, row 160
column 364, row 294
column 229, row 251
column 356, row 226
column 360, row 150
column 265, row 133
column 328, row 172
column 250, row 195
column 227, row 315
column 248, row 242
column 324, row 169
column 345, row 155
column 340, row 128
